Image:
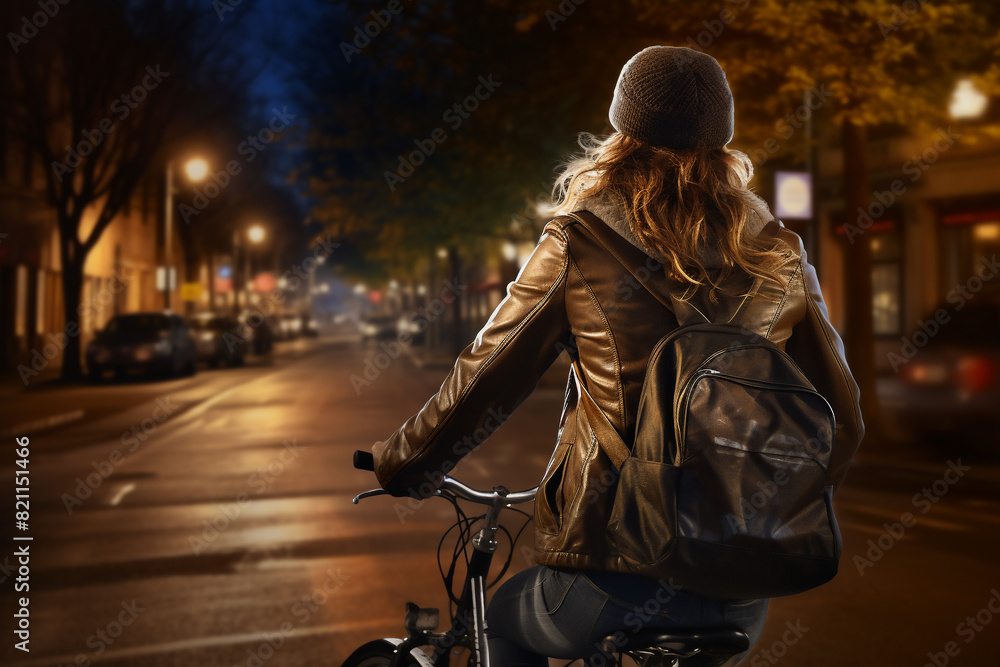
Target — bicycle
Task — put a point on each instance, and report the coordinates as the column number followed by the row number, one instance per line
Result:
column 647, row 648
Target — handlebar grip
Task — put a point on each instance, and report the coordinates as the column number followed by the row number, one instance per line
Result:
column 364, row 460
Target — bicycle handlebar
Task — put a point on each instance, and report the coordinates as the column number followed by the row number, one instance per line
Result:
column 364, row 460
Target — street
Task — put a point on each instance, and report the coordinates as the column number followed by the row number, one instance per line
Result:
column 208, row 521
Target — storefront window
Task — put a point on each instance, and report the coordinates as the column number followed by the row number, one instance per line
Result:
column 887, row 284
column 972, row 240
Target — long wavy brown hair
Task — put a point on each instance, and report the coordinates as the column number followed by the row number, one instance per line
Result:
column 685, row 205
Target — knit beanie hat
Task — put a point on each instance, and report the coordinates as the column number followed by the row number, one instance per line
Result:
column 673, row 97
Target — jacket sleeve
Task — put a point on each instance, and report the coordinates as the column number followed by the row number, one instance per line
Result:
column 491, row 377
column 819, row 351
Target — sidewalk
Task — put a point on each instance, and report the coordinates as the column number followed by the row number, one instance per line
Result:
column 24, row 409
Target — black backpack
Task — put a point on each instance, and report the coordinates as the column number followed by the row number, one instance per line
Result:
column 726, row 488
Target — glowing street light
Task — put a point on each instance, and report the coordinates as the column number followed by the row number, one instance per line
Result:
column 255, row 234
column 196, row 169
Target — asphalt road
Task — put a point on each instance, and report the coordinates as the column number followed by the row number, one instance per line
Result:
column 207, row 521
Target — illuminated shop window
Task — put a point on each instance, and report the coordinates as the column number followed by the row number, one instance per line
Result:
column 887, row 283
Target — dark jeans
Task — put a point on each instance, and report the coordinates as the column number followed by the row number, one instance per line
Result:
column 561, row 613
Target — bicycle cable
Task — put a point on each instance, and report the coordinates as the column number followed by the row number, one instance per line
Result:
column 464, row 524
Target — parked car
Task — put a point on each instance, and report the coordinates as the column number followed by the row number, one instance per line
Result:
column 411, row 329
column 374, row 327
column 157, row 342
column 309, row 326
column 290, row 326
column 218, row 339
column 948, row 373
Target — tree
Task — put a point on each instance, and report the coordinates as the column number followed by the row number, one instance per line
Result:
column 431, row 127
column 882, row 63
column 97, row 91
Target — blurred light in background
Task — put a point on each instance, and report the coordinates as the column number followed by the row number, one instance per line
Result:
column 793, row 190
column 989, row 231
column 967, row 101
column 256, row 234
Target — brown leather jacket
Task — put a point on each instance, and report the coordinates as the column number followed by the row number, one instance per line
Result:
column 574, row 295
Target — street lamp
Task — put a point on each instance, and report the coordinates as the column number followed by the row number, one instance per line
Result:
column 196, row 170
column 255, row 234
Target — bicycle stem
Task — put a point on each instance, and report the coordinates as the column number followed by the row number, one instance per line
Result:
column 485, row 539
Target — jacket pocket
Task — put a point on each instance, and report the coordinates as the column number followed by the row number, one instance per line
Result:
column 643, row 517
column 549, row 502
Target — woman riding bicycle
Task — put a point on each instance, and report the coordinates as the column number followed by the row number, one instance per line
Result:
column 666, row 184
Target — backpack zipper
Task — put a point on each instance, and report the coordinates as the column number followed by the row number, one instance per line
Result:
column 680, row 421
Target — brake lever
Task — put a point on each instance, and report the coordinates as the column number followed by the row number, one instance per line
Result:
column 369, row 494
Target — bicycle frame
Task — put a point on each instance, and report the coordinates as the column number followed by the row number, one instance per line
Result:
column 468, row 627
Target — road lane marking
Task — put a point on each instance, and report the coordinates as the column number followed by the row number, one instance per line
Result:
column 251, row 638
column 42, row 424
